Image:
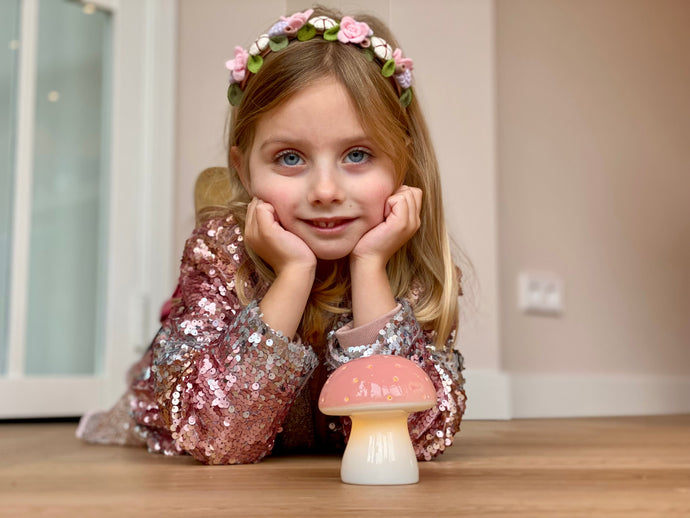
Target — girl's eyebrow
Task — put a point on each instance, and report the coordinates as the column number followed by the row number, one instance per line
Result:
column 301, row 143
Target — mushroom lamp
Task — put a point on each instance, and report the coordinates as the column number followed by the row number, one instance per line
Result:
column 378, row 392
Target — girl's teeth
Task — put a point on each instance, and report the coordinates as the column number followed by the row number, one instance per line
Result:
column 323, row 224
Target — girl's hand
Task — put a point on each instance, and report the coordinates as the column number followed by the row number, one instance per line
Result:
column 401, row 213
column 275, row 245
column 291, row 259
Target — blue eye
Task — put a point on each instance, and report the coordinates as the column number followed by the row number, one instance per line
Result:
column 357, row 156
column 290, row 159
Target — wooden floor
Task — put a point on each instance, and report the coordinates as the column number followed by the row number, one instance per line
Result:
column 614, row 467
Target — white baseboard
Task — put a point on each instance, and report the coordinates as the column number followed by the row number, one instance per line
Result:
column 582, row 395
column 488, row 394
column 45, row 396
column 493, row 394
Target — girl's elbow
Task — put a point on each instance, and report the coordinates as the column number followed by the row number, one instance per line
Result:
column 222, row 454
column 224, row 440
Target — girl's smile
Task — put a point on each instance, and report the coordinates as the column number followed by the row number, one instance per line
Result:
column 313, row 162
column 330, row 224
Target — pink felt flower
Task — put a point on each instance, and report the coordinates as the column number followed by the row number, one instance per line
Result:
column 401, row 63
column 352, row 31
column 238, row 66
column 295, row 21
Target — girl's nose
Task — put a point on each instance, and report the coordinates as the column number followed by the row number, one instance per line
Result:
column 325, row 188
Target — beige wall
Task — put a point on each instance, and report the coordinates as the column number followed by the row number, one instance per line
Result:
column 593, row 104
column 208, row 31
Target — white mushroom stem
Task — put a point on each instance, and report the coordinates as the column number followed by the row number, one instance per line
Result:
column 379, row 450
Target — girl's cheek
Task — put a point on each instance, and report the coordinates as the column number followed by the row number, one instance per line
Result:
column 283, row 211
column 380, row 198
column 264, row 192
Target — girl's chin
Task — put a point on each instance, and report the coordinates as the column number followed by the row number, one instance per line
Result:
column 332, row 251
column 331, row 256
column 326, row 254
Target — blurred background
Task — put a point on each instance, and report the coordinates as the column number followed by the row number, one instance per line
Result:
column 562, row 128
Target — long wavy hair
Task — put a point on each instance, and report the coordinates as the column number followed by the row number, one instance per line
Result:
column 422, row 270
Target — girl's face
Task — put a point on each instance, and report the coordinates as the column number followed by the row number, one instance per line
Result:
column 312, row 160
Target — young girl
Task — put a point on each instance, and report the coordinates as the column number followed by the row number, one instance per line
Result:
column 333, row 246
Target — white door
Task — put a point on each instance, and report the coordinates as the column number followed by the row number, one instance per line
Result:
column 78, row 123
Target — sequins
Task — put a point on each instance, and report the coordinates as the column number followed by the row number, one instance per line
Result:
column 190, row 327
column 219, row 382
column 228, row 387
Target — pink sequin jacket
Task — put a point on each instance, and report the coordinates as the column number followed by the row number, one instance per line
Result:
column 219, row 384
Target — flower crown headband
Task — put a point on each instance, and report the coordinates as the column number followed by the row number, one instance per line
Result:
column 303, row 28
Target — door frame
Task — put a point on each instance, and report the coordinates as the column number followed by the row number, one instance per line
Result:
column 140, row 271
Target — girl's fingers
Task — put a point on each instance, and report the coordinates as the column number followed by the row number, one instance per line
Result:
column 417, row 206
column 249, row 220
column 265, row 217
column 260, row 217
column 401, row 221
column 409, row 207
column 405, row 204
column 414, row 199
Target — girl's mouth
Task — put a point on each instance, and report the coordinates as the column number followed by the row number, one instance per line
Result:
column 329, row 224
column 325, row 224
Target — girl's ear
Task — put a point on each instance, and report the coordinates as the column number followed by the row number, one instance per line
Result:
column 239, row 163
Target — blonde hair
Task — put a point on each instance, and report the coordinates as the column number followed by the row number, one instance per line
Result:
column 422, row 269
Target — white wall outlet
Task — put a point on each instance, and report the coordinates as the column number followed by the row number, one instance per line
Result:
column 540, row 293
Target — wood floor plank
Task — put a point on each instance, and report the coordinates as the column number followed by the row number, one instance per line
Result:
column 609, row 467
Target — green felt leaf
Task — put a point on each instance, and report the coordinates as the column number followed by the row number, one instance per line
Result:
column 306, row 32
column 254, row 63
column 406, row 97
column 235, row 94
column 332, row 33
column 368, row 53
column 278, row 43
column 389, row 68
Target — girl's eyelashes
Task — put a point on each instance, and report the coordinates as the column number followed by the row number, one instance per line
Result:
column 289, row 158
column 358, row 156
column 292, row 158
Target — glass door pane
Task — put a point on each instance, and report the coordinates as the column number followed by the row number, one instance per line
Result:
column 9, row 36
column 70, row 190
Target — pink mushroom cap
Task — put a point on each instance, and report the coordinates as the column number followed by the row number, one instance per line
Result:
column 377, row 383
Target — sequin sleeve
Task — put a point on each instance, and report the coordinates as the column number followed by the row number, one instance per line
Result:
column 223, row 381
column 432, row 431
